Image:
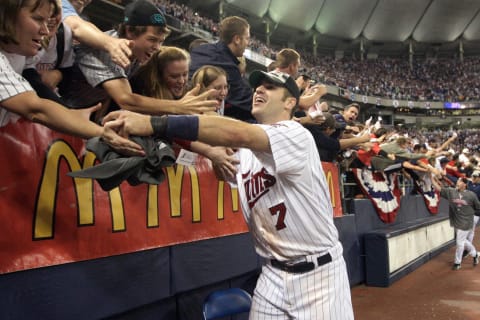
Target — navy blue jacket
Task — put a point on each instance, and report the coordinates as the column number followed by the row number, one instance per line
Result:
column 238, row 103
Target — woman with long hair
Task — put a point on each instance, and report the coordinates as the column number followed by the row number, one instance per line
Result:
column 212, row 77
column 23, row 26
column 165, row 76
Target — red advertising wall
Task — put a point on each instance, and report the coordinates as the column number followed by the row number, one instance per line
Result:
column 49, row 218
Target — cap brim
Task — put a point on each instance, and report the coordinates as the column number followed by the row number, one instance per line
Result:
column 258, row 76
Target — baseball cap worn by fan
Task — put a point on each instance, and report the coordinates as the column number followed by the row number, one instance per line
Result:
column 476, row 174
column 277, row 78
column 143, row 13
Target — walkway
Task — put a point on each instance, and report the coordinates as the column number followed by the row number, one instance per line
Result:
column 433, row 291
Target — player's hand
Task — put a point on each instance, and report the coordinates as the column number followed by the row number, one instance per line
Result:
column 114, row 135
column 224, row 162
column 120, row 51
column 195, row 103
column 127, row 123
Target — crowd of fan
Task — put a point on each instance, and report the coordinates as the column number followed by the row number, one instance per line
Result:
column 398, row 80
column 425, row 80
column 187, row 15
column 159, row 74
column 459, row 141
column 428, row 159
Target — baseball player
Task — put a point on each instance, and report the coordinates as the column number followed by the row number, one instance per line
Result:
column 474, row 186
column 462, row 206
column 284, row 196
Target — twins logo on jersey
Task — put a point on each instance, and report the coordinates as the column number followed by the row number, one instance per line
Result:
column 256, row 185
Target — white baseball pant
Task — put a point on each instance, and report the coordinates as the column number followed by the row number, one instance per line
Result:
column 323, row 293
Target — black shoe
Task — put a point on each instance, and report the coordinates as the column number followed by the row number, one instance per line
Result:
column 476, row 259
column 456, row 266
column 464, row 254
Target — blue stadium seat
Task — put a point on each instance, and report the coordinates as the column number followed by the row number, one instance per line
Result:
column 226, row 302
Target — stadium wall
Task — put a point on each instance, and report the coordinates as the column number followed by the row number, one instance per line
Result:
column 119, row 264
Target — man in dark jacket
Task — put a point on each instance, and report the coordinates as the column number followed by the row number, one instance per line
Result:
column 234, row 39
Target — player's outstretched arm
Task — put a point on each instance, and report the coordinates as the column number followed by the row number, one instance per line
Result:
column 229, row 132
column 216, row 131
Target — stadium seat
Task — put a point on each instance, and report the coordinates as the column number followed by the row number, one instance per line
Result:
column 226, row 302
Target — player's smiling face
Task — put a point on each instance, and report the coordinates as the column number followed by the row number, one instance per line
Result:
column 268, row 102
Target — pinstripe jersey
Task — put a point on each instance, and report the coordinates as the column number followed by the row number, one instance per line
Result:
column 11, row 84
column 284, row 195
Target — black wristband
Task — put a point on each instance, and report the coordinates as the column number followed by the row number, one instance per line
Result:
column 182, row 127
column 159, row 125
column 169, row 127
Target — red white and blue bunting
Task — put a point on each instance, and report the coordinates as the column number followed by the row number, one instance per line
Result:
column 382, row 189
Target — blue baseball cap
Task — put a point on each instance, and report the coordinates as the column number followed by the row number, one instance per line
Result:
column 144, row 13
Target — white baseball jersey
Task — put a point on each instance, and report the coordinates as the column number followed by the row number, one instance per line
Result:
column 11, row 84
column 286, row 202
column 284, row 195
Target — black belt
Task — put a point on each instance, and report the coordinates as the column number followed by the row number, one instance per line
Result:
column 301, row 267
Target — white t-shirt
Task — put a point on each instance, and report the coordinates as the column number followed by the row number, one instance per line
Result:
column 11, row 84
column 284, row 195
